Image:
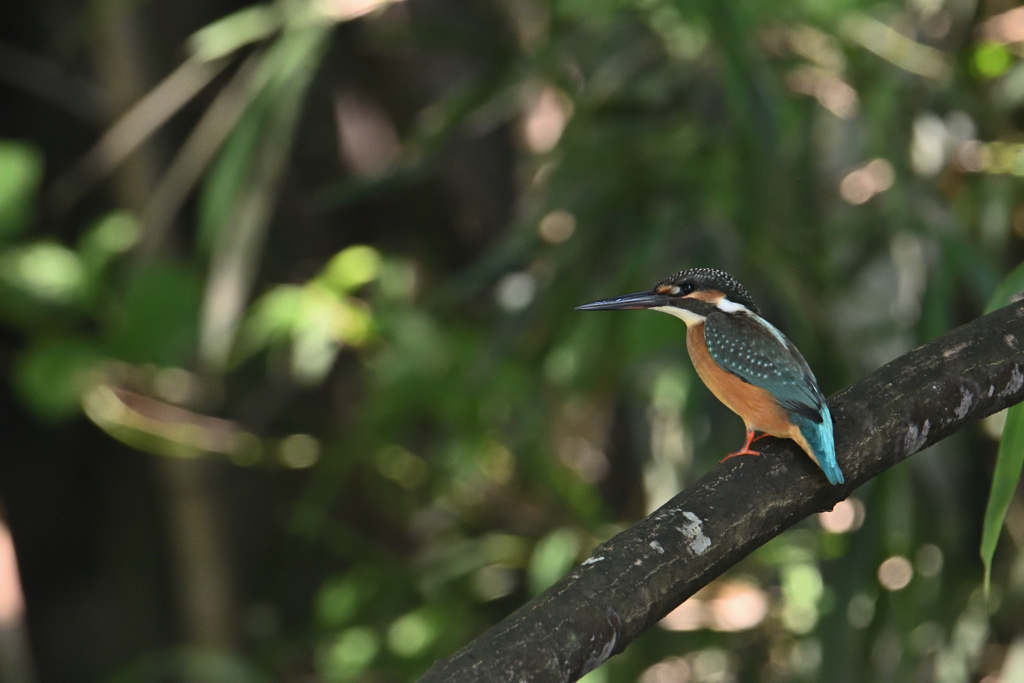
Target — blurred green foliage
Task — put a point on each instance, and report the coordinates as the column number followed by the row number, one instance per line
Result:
column 468, row 437
column 21, row 172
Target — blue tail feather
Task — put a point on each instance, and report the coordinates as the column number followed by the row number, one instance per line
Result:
column 819, row 436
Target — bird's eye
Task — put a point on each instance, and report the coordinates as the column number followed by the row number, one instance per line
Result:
column 686, row 288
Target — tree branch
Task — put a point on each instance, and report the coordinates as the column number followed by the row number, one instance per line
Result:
column 641, row 574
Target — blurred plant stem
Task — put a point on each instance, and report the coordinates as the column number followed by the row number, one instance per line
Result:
column 133, row 129
column 204, row 598
column 193, row 158
column 117, row 63
column 258, row 163
column 204, row 591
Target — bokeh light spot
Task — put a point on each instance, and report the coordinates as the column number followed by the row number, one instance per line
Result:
column 552, row 557
column 711, row 664
column 557, row 226
column 802, row 587
column 738, row 606
column 689, row 616
column 846, row 516
column 47, row 271
column 861, row 611
column 928, row 144
column 561, row 364
column 928, row 560
column 515, row 291
column 895, row 573
column 410, row 634
column 671, row 670
column 401, row 466
column 299, row 451
column 839, row 520
column 992, row 59
column 862, row 184
column 176, row 385
column 497, row 462
column 546, row 119
column 339, row 600
column 928, row 637
column 581, row 455
column 831, row 91
column 806, row 657
column 494, row 582
column 350, row 653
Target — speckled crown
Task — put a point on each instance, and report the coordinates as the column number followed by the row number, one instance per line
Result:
column 712, row 278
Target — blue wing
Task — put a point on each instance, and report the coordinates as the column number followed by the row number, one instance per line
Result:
column 752, row 349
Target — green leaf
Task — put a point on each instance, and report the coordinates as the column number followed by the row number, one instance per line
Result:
column 992, row 59
column 229, row 174
column 158, row 318
column 412, row 633
column 314, row 319
column 351, row 268
column 1013, row 284
column 1004, row 484
column 279, row 86
column 552, row 557
column 271, row 320
column 1011, row 447
column 50, row 374
column 348, row 654
column 323, row 324
column 21, row 171
column 46, row 272
column 108, row 238
column 236, row 223
column 235, row 31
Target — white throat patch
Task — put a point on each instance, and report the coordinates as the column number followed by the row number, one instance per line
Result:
column 731, row 306
column 687, row 316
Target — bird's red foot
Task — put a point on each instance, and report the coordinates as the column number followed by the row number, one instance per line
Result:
column 745, row 450
column 742, row 451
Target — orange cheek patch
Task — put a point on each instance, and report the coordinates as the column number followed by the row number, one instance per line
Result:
column 664, row 289
column 711, row 296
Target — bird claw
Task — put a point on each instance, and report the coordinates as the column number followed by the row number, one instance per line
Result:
column 745, row 449
column 742, row 451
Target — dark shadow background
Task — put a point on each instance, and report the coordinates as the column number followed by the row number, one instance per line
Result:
column 398, row 445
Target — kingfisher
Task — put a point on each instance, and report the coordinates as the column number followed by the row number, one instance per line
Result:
column 746, row 362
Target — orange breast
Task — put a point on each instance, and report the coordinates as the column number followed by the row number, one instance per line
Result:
column 759, row 410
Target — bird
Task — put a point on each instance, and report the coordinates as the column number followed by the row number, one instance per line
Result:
column 746, row 362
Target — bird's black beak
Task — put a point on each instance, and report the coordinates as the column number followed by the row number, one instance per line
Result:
column 627, row 302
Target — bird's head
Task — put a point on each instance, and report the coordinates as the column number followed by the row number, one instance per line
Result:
column 690, row 295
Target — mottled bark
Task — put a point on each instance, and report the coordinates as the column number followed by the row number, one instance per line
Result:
column 637, row 577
